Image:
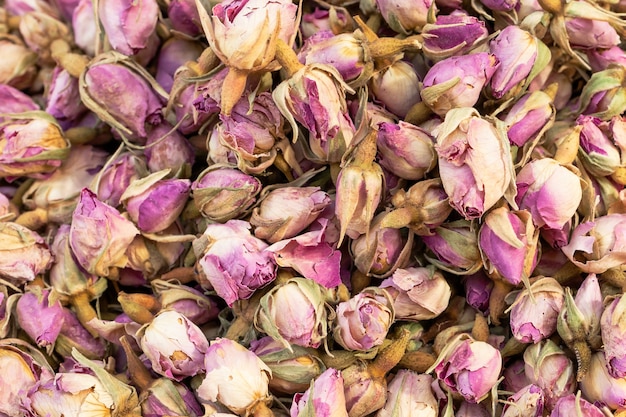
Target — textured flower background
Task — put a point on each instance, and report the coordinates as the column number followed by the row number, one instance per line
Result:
column 312, row 208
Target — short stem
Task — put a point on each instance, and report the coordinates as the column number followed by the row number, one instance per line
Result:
column 80, row 135
column 207, row 61
column 14, row 22
column 287, row 58
column 552, row 6
column 497, row 305
column 232, row 89
column 417, row 361
column 480, row 331
column 283, row 166
column 583, row 357
column 74, row 64
column 388, row 48
column 141, row 308
column 139, row 374
column 262, row 410
column 389, row 356
column 182, row 274
column 418, row 114
column 34, row 219
column 84, row 311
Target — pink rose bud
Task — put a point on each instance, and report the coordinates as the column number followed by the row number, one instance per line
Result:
column 586, row 33
column 18, row 68
column 478, row 289
column 529, row 117
column 232, row 261
column 418, row 293
column 550, row 191
column 500, row 5
column 174, row 345
column 116, row 176
column 515, row 376
column 168, row 149
column 63, row 98
column 405, row 150
column 509, row 244
column 397, row 87
column 322, row 20
column 468, row 367
column 527, row 402
column 235, row 377
column 599, row 245
column 285, row 212
column 40, row 315
column 600, row 387
column 294, row 313
column 600, row 59
column 452, row 34
column 613, row 337
column 455, row 246
column 535, row 311
column 188, row 301
column 521, row 56
column 457, row 81
column 410, row 394
column 99, row 235
column 154, row 202
column 128, row 25
column 602, row 94
column 293, row 367
column 474, row 162
column 364, row 320
column 551, row 369
column 74, row 335
column 572, row 405
column 174, row 54
column 32, row 146
column 184, row 17
column 315, row 96
column 23, row 254
column 598, row 152
column 324, row 398
column 406, row 16
column 85, row 27
column 13, row 100
column 222, row 194
column 468, row 409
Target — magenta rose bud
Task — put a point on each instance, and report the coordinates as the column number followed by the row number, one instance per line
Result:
column 599, row 154
column 40, row 316
column 99, row 235
column 452, row 34
column 405, row 150
column 184, row 17
column 500, row 5
column 168, row 149
column 13, row 100
column 232, row 261
column 364, row 320
column 116, row 176
column 469, row 367
column 457, row 81
column 529, row 117
column 324, row 398
column 154, row 203
column 63, row 98
column 600, row 59
column 174, row 54
column 128, row 25
column 478, row 289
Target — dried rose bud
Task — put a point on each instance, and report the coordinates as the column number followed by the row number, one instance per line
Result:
column 188, row 301
column 550, row 191
column 474, row 163
column 40, row 315
column 613, row 336
column 32, row 145
column 478, row 288
column 509, row 244
column 397, row 87
column 39, row 30
column 293, row 367
column 63, row 99
column 601, row 59
column 457, row 81
column 85, row 27
column 551, row 369
column 319, row 19
column 452, row 34
column 469, row 367
column 527, row 402
column 600, row 387
column 224, row 193
column 17, row 69
column 574, row 405
column 364, row 320
column 514, row 375
column 174, row 54
column 174, row 345
column 99, row 235
column 232, row 261
column 74, row 335
column 184, row 17
column 405, row 150
column 409, row 394
column 598, row 153
column 455, row 246
column 468, row 409
column 418, row 293
column 13, row 100
column 500, row 5
column 23, row 254
column 20, row 7
column 585, row 33
column 529, row 117
column 521, row 57
column 325, row 397
column 597, row 246
column 406, row 16
column 602, row 95
column 154, row 254
column 166, row 148
column 294, row 313
column 235, row 377
column 128, row 26
column 116, row 176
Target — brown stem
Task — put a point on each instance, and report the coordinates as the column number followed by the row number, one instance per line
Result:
column 497, row 304
column 480, row 331
column 417, row 361
column 183, row 275
column 583, row 358
column 141, row 308
column 80, row 135
column 418, row 114
column 232, row 89
column 34, row 219
column 389, row 356
column 287, row 58
column 84, row 311
column 139, row 374
column 73, row 63
column 14, row 22
column 262, row 410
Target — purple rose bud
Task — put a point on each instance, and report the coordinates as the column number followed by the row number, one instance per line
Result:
column 63, row 98
column 173, row 54
column 397, row 87
column 551, row 369
column 74, row 335
column 469, row 367
column 17, row 69
column 455, row 246
column 613, row 337
column 587, row 33
column 452, row 34
column 406, row 16
column 364, row 320
column 535, row 311
column 85, row 27
column 174, row 345
column 527, row 402
column 600, row 59
column 409, row 393
column 128, row 25
column 474, row 163
column 550, row 191
column 598, row 153
column 478, row 289
column 325, row 397
column 598, row 245
column 600, row 387
column 116, row 176
column 529, row 117
column 294, row 313
column 457, row 81
column 154, row 202
column 23, row 254
column 188, row 301
column 520, row 54
column 570, row 405
column 418, row 293
column 165, row 397
column 184, row 17
column 40, row 315
column 168, row 149
column 405, row 150
column 235, row 377
column 285, row 212
column 13, row 100
column 232, row 261
column 99, row 235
